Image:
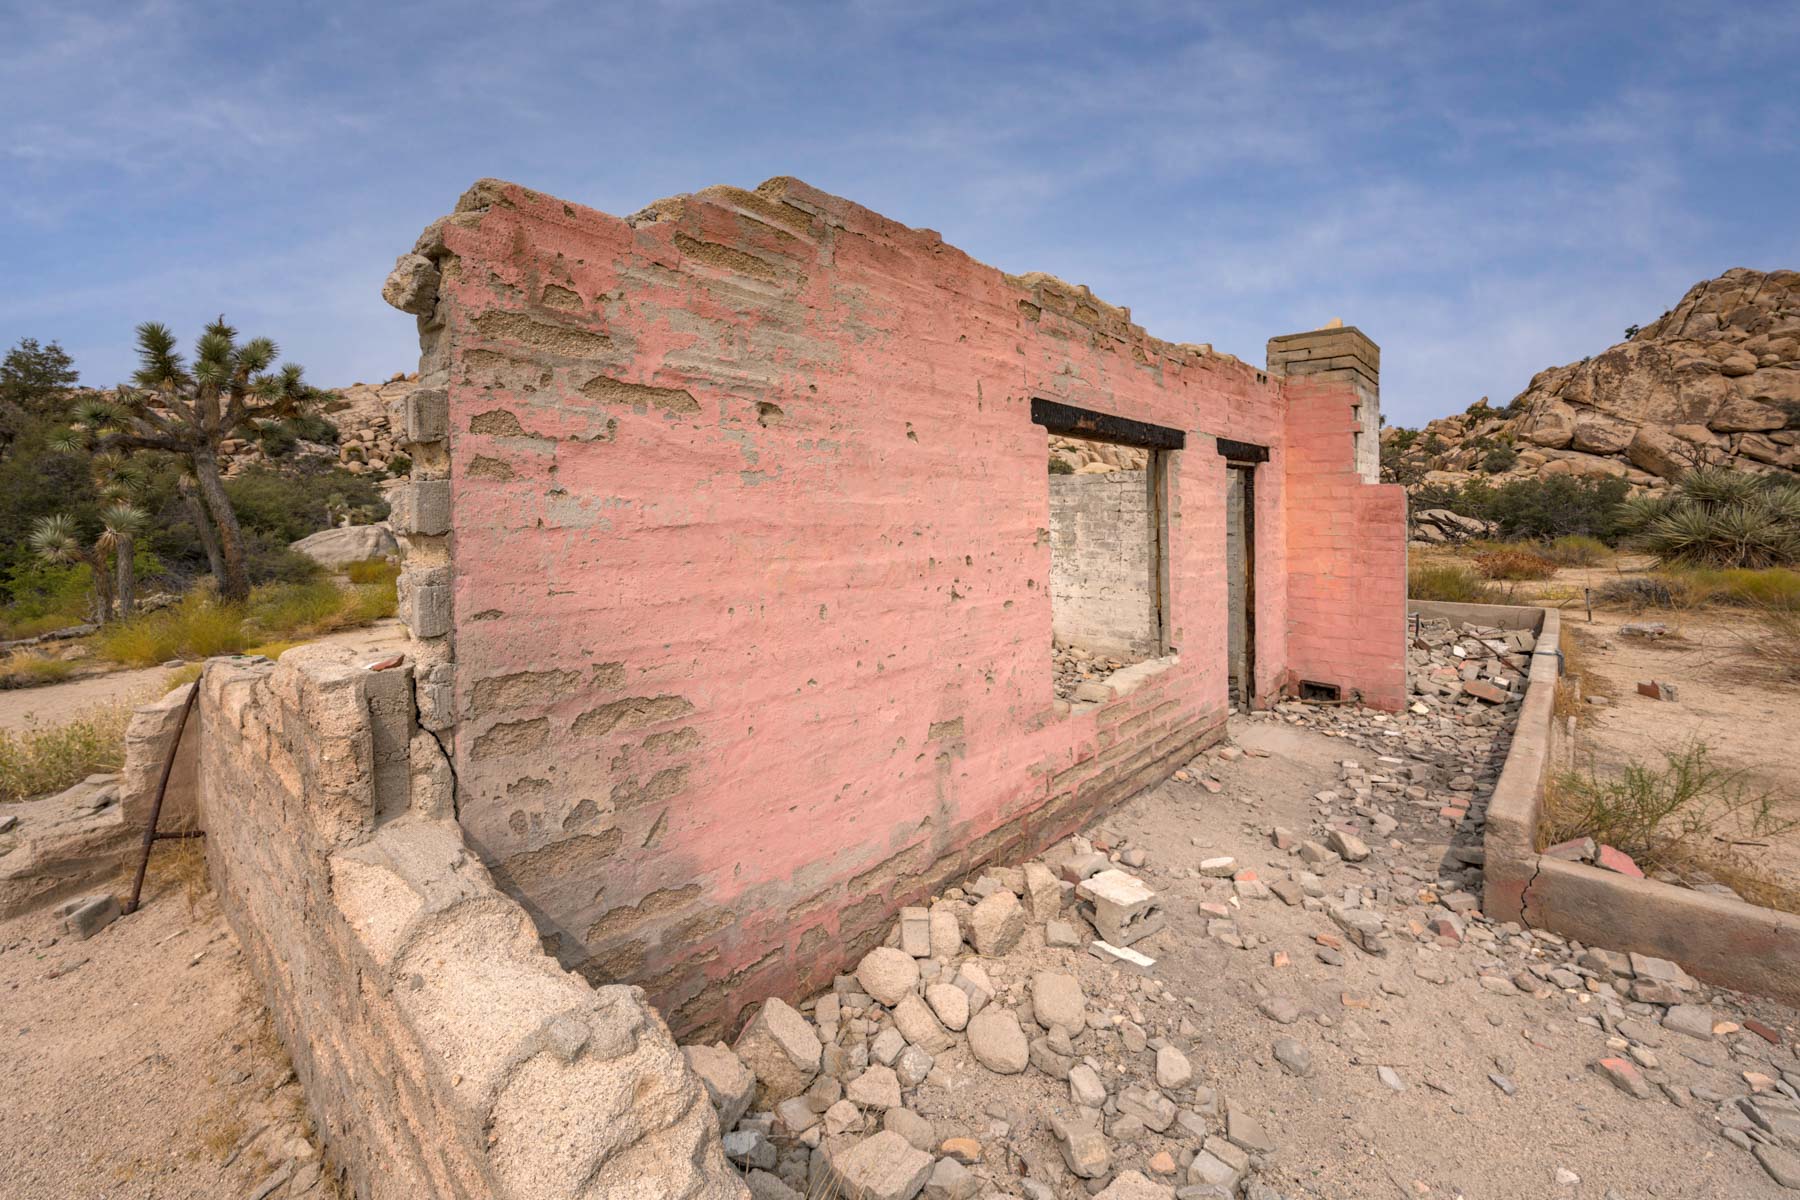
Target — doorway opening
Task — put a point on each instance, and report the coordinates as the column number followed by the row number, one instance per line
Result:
column 1240, row 570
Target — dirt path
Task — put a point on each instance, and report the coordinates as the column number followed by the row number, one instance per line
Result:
column 25, row 708
column 138, row 1064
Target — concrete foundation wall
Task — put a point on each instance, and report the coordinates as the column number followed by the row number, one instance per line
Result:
column 442, row 1053
column 729, row 553
column 1103, row 562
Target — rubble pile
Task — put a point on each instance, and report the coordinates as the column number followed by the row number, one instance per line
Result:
column 1075, row 666
column 1024, row 1036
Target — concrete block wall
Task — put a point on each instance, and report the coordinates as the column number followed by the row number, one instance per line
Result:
column 747, row 584
column 1103, row 562
column 441, row 1051
column 1346, row 581
column 1344, row 354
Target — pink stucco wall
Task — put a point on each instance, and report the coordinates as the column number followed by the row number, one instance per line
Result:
column 750, row 564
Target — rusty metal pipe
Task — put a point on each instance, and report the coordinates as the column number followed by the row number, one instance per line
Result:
column 162, row 788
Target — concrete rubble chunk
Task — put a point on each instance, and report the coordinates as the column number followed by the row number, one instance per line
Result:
column 1173, row 1070
column 1057, row 999
column 888, row 974
column 781, row 1049
column 728, row 1082
column 919, row 1132
column 946, row 931
column 996, row 924
column 1043, row 891
column 1085, row 1086
column 883, row 1166
column 997, row 1041
column 1245, row 1131
column 915, row 932
column 1362, row 927
column 949, row 1004
column 1134, row 1185
column 82, row 918
column 1348, row 846
column 950, row 1180
column 1122, row 907
column 920, row 1026
column 972, row 979
column 1622, row 1074
column 1084, row 1148
column 878, row 1087
column 1122, row 956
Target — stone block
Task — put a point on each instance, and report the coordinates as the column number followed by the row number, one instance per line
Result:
column 427, row 415
column 883, row 1166
column 1121, row 907
column 781, row 1050
column 997, row 923
column 84, row 917
column 728, row 1082
column 422, row 507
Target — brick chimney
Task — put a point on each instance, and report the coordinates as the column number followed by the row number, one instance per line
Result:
column 1341, row 352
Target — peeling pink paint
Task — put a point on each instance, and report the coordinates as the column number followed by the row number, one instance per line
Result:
column 773, row 458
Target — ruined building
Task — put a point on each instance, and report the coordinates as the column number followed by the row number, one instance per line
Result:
column 740, row 587
column 734, row 565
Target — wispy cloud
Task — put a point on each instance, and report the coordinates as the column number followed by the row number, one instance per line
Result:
column 1485, row 188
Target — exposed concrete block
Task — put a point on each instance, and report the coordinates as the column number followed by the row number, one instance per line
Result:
column 147, row 741
column 427, row 415
column 85, row 917
column 422, row 507
column 424, row 602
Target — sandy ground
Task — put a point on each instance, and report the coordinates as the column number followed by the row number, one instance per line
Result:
column 138, row 1064
column 1748, row 723
column 27, row 707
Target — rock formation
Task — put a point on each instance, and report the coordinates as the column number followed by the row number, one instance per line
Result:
column 1715, row 379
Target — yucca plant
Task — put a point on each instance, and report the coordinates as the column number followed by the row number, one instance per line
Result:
column 190, row 411
column 1716, row 517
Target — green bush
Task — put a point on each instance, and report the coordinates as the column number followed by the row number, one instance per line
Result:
column 1058, row 466
column 198, row 627
column 1714, row 517
column 372, row 570
column 1536, row 509
column 285, row 506
column 1499, row 460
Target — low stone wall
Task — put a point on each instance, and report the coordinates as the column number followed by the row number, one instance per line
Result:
column 442, row 1053
column 1725, row 942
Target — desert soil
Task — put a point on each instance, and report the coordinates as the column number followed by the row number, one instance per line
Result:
column 1748, row 722
column 139, row 1064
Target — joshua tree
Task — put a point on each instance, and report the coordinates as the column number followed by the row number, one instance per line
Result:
column 229, row 391
column 55, row 539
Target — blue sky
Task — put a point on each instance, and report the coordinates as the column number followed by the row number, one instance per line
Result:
column 1486, row 189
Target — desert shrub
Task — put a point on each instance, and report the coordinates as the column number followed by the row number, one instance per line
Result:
column 288, row 607
column 31, row 669
column 1499, row 460
column 372, row 570
column 41, row 761
column 285, row 506
column 1666, row 817
column 1536, row 509
column 1771, row 649
column 1450, row 582
column 1714, row 517
column 198, row 627
column 1576, row 550
column 1770, row 588
column 1514, row 563
column 1060, row 466
column 400, row 464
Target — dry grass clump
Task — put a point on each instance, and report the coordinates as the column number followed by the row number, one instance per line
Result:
column 41, row 761
column 1771, row 650
column 1514, row 563
column 1577, row 550
column 286, row 613
column 32, row 668
column 1770, row 588
column 1447, row 582
column 1689, row 817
